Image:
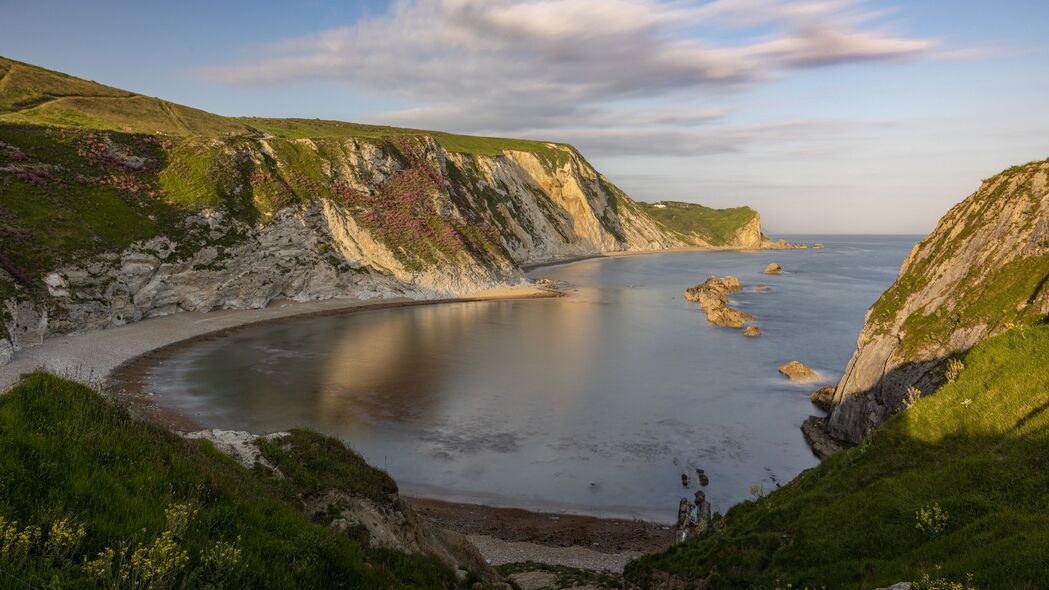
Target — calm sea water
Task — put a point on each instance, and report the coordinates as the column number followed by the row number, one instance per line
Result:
column 594, row 403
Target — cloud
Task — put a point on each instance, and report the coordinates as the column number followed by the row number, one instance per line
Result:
column 580, row 65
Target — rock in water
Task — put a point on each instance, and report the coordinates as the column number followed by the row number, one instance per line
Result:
column 818, row 246
column 684, row 479
column 823, row 398
column 798, row 372
column 752, row 331
column 814, row 428
column 773, row 269
column 712, row 296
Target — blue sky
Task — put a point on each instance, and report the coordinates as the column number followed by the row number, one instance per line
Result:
column 825, row 115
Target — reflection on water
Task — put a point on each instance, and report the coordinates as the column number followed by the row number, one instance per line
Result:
column 591, row 403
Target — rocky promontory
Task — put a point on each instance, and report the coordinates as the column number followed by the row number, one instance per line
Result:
column 712, row 296
column 983, row 269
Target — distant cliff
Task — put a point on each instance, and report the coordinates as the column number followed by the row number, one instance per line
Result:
column 982, row 270
column 118, row 207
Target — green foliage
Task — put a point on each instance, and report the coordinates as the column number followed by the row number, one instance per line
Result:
column 156, row 506
column 715, row 226
column 978, row 449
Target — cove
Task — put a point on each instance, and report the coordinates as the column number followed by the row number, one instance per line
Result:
column 594, row 403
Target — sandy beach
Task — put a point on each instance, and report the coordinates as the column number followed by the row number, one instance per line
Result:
column 91, row 357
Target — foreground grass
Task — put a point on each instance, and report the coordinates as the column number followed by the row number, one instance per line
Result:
column 193, row 517
column 716, row 226
column 973, row 459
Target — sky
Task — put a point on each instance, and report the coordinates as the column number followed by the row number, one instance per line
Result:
column 827, row 116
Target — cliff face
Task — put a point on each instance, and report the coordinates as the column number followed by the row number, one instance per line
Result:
column 117, row 207
column 243, row 221
column 983, row 269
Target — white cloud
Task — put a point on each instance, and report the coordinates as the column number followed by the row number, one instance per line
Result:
column 578, row 68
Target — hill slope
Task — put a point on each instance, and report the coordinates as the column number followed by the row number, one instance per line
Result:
column 978, row 450
column 738, row 227
column 98, row 499
column 985, row 267
column 115, row 207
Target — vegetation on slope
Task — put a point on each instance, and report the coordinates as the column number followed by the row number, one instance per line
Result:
column 33, row 95
column 957, row 484
column 715, row 226
column 993, row 298
column 90, row 496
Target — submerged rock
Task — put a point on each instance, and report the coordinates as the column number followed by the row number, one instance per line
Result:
column 773, row 268
column 798, row 372
column 712, row 296
column 823, row 398
column 752, row 331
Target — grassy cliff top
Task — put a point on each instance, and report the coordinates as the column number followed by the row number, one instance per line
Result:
column 89, row 479
column 716, row 226
column 37, row 96
column 974, row 457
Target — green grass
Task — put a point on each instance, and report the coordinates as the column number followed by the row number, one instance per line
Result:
column 997, row 299
column 979, row 448
column 33, row 95
column 37, row 96
column 716, row 226
column 556, row 154
column 67, row 453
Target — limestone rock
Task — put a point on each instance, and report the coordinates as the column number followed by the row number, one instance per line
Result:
column 6, row 351
column 752, row 331
column 953, row 283
column 823, row 398
column 773, row 268
column 798, row 372
column 712, row 296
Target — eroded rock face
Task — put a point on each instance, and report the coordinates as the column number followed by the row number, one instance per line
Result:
column 530, row 210
column 984, row 268
column 6, row 350
column 798, row 372
column 712, row 296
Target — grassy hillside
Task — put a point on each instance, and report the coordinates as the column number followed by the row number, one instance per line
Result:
column 716, row 226
column 957, row 484
column 89, row 495
column 37, row 96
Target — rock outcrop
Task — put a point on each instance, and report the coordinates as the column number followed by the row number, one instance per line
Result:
column 823, row 398
column 983, row 269
column 388, row 522
column 712, row 296
column 798, row 372
column 773, row 268
column 814, row 429
column 752, row 331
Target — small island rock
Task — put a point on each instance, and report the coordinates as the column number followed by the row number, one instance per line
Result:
column 798, row 372
column 773, row 269
column 752, row 331
column 712, row 296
